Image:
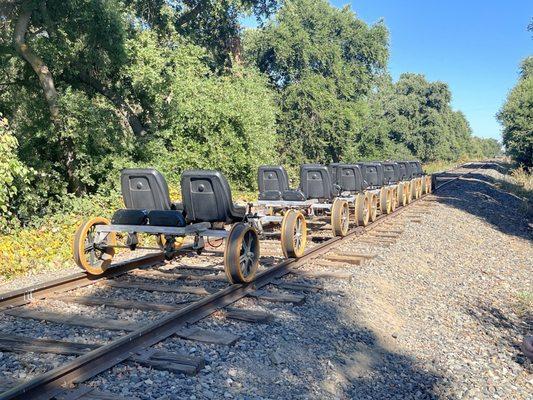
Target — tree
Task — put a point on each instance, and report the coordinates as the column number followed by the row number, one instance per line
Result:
column 323, row 62
column 516, row 116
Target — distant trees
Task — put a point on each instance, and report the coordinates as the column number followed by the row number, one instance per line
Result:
column 516, row 116
column 323, row 62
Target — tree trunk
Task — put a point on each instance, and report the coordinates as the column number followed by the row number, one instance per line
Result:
column 45, row 77
column 134, row 121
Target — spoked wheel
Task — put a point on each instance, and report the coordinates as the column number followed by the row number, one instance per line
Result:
column 403, row 190
column 340, row 218
column 361, row 210
column 419, row 188
column 241, row 257
column 385, row 200
column 293, row 234
column 394, row 199
column 93, row 257
column 426, row 184
column 412, row 192
column 372, row 207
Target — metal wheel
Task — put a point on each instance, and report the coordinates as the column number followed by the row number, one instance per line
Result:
column 293, row 234
column 402, row 194
column 241, row 257
column 394, row 199
column 361, row 210
column 340, row 218
column 372, row 206
column 419, row 188
column 93, row 257
column 385, row 200
column 412, row 191
column 426, row 183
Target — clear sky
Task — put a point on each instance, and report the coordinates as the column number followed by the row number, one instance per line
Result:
column 475, row 46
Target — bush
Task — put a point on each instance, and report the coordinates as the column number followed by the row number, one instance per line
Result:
column 11, row 171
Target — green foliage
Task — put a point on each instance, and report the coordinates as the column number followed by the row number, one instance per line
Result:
column 516, row 116
column 323, row 61
column 11, row 171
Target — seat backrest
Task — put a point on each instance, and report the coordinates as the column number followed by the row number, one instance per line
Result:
column 315, row 182
column 144, row 189
column 415, row 168
column 418, row 168
column 406, row 170
column 391, row 172
column 350, row 178
column 207, row 197
column 272, row 177
column 372, row 173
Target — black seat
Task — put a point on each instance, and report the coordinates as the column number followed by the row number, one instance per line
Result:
column 272, row 180
column 144, row 189
column 349, row 178
column 417, row 168
column 207, row 198
column 315, row 182
column 145, row 192
column 391, row 172
column 408, row 168
column 372, row 173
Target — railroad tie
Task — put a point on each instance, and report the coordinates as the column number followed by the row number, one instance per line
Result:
column 205, row 336
column 345, row 258
column 157, row 359
column 198, row 290
column 254, row 316
column 280, row 297
column 75, row 320
column 298, row 286
column 322, row 274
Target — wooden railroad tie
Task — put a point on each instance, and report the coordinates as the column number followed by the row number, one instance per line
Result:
column 345, row 258
column 296, row 299
column 183, row 275
column 322, row 274
column 150, row 287
column 153, row 358
column 297, row 286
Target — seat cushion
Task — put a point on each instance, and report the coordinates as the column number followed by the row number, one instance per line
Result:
column 130, row 217
column 166, row 218
column 293, row 195
column 270, row 195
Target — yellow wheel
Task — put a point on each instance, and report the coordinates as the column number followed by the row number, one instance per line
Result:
column 241, row 257
column 385, row 200
column 394, row 199
column 412, row 191
column 162, row 242
column 372, row 206
column 93, row 257
column 361, row 210
column 293, row 234
column 340, row 218
column 426, row 184
column 402, row 194
column 419, row 188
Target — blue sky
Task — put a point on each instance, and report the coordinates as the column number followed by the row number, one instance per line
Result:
column 474, row 46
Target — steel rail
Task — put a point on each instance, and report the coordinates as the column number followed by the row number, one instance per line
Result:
column 74, row 281
column 96, row 361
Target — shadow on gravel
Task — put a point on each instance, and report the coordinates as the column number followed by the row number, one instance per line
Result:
column 477, row 194
column 320, row 355
column 504, row 326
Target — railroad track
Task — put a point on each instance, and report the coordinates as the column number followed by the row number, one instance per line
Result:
column 204, row 292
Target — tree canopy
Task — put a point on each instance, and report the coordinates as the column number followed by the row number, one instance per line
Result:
column 516, row 116
column 92, row 86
